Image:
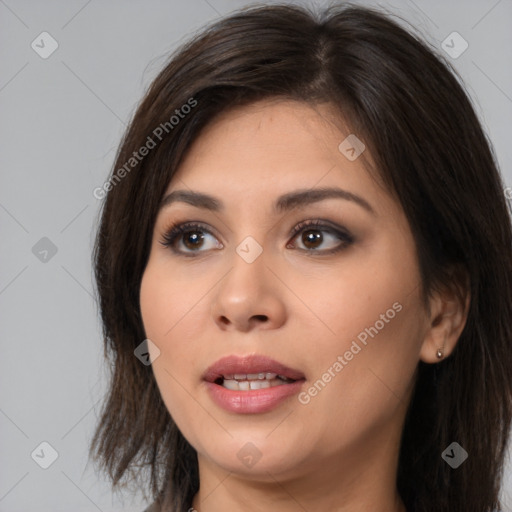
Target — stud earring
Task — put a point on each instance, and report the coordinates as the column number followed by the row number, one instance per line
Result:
column 439, row 352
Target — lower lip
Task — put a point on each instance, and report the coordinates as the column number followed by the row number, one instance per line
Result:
column 252, row 401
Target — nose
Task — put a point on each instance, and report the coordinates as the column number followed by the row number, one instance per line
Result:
column 249, row 297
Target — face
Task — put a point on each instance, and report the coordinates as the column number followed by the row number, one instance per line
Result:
column 325, row 286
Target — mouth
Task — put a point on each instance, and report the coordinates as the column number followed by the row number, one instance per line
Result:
column 251, row 372
column 251, row 384
column 246, row 382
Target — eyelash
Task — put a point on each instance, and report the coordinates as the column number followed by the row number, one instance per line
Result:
column 175, row 230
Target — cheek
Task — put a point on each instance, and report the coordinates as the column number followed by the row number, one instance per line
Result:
column 174, row 313
column 167, row 298
column 148, row 306
column 362, row 378
column 355, row 299
column 163, row 310
column 373, row 320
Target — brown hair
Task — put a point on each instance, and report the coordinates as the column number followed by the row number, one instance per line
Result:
column 428, row 146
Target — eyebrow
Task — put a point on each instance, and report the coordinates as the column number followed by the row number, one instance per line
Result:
column 283, row 203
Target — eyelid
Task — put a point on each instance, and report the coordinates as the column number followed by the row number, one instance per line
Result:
column 321, row 224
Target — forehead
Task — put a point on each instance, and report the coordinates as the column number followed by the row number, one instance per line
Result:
column 269, row 148
column 284, row 124
column 265, row 137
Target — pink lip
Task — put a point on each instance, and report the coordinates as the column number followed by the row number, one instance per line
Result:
column 255, row 400
column 252, row 401
column 249, row 364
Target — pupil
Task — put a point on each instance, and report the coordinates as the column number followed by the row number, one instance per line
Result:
column 311, row 237
column 194, row 239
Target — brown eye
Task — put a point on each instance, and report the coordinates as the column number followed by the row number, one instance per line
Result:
column 312, row 238
column 194, row 238
column 191, row 237
column 315, row 234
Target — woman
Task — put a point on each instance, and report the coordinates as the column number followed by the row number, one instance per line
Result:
column 304, row 272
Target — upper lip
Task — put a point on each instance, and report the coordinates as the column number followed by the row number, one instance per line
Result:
column 253, row 363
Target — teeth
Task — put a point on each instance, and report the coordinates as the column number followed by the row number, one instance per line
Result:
column 231, row 384
column 246, row 382
column 252, row 376
column 246, row 385
column 260, row 384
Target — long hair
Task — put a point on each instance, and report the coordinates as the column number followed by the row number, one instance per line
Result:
column 410, row 108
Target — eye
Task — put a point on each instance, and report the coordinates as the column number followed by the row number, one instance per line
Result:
column 312, row 237
column 192, row 235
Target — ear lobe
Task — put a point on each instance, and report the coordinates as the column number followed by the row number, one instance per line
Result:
column 448, row 315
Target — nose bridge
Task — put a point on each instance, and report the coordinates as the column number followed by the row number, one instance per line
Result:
column 250, row 250
column 248, row 292
column 247, row 278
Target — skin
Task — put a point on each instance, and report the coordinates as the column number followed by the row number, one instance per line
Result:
column 339, row 451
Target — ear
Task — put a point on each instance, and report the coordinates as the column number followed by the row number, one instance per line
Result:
column 449, row 308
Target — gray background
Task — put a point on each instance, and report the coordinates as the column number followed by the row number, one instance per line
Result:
column 61, row 121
